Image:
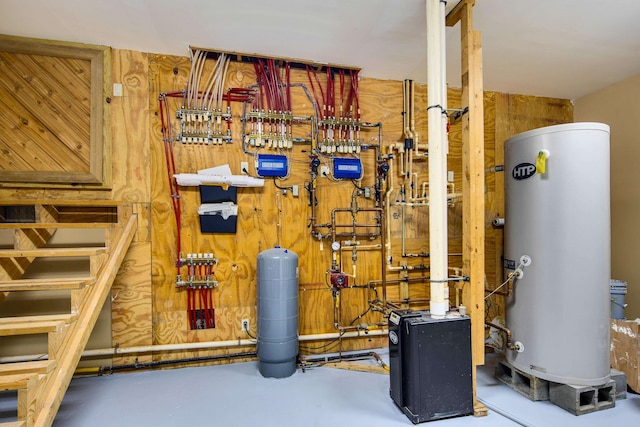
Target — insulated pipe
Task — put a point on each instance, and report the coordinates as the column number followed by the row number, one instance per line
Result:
column 196, row 79
column 352, row 334
column 387, row 201
column 424, row 201
column 409, row 301
column 388, row 204
column 406, row 113
column 351, row 356
column 414, row 184
column 224, row 78
column 386, row 250
column 413, row 118
column 443, row 67
column 156, row 363
column 436, row 110
column 405, row 267
column 209, row 84
column 195, row 346
column 402, row 230
column 195, row 56
column 374, row 246
column 409, row 280
column 408, row 163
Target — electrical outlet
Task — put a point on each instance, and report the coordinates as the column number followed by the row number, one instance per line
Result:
column 324, row 171
column 244, row 168
column 295, row 192
column 245, row 325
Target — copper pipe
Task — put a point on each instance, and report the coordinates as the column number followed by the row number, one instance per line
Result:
column 404, row 280
column 358, row 328
column 506, row 294
column 410, row 301
column 356, row 225
column 383, row 247
column 379, row 360
column 506, row 330
column 392, row 305
column 370, row 236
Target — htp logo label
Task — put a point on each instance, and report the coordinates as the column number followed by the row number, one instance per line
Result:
column 523, row 171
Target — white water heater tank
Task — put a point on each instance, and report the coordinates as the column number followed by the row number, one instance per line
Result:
column 557, row 233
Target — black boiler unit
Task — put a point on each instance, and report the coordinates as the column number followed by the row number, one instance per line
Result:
column 430, row 365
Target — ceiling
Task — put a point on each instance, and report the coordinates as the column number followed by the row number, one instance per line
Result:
column 563, row 49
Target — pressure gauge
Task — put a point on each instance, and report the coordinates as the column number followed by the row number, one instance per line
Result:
column 335, row 246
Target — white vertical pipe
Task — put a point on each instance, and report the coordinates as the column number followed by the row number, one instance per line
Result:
column 443, row 70
column 437, row 133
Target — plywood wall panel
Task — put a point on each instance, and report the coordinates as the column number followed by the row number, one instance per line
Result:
column 269, row 216
column 163, row 250
column 262, row 209
column 513, row 114
column 131, row 303
column 529, row 112
column 170, row 326
column 130, row 128
column 132, row 292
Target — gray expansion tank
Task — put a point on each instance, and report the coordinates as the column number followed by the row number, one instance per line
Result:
column 559, row 221
column 277, row 312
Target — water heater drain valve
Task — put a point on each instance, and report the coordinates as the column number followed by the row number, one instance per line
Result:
column 518, row 346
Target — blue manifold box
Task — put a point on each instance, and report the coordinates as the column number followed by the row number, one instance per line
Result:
column 272, row 165
column 347, row 168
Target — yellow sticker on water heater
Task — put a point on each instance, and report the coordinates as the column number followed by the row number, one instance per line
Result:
column 541, row 162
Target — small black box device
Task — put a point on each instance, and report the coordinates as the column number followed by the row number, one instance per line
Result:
column 430, row 365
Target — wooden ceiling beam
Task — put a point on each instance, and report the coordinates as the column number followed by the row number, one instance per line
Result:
column 456, row 13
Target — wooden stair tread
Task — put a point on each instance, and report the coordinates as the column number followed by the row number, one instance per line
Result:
column 50, row 202
column 30, row 328
column 34, row 367
column 36, row 225
column 45, row 284
column 14, row 424
column 53, row 252
column 17, row 382
column 66, row 317
column 31, row 325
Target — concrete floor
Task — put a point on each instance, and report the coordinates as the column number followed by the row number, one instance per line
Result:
column 236, row 395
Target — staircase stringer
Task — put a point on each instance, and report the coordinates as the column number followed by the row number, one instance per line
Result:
column 75, row 339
